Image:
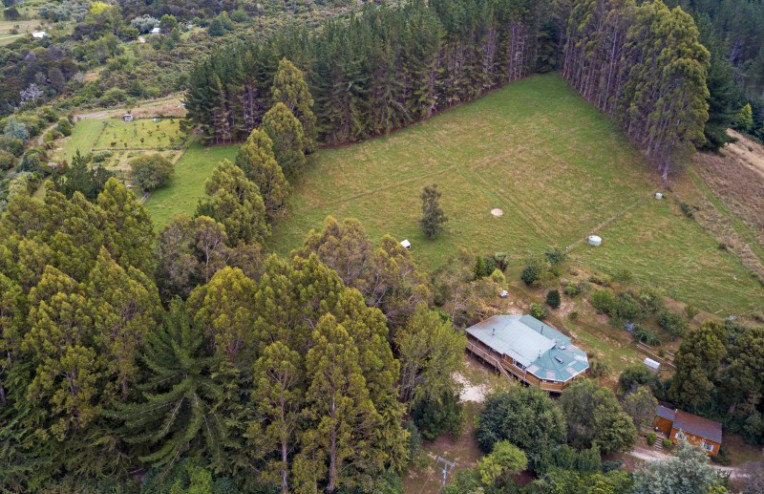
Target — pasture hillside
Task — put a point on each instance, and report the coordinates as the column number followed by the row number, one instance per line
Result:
column 557, row 168
column 187, row 185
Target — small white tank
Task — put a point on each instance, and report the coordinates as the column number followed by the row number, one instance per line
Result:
column 659, row 195
column 595, row 241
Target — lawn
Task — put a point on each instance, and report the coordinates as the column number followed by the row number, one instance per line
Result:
column 551, row 162
column 12, row 30
column 187, row 186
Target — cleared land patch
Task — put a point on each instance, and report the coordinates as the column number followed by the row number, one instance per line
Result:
column 552, row 163
column 114, row 142
column 187, row 186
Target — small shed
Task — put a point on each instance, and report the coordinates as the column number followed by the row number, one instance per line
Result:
column 405, row 244
column 156, row 30
column 651, row 364
column 127, row 117
column 595, row 240
column 39, row 34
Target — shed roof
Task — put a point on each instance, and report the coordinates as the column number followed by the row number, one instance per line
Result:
column 698, row 426
column 541, row 349
column 665, row 413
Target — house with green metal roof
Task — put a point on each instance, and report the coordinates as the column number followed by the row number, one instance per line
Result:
column 529, row 349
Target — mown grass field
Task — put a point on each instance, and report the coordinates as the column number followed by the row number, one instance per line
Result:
column 108, row 133
column 552, row 163
column 187, row 186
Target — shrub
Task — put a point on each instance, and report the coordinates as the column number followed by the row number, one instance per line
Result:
column 534, row 269
column 7, row 160
column 667, row 444
column 484, row 266
column 650, row 299
column 687, row 209
column 611, row 465
column 13, row 145
column 50, row 136
column 553, row 299
column 721, row 458
column 498, row 277
column 571, row 290
column 113, row 96
column 101, row 157
column 627, row 308
column 603, row 301
column 651, row 437
column 573, row 315
column 673, row 323
column 538, row 311
column 555, row 256
column 691, row 311
column 436, row 417
column 65, row 127
column 600, row 279
column 646, row 336
column 637, row 375
column 49, row 113
column 11, row 14
column 151, row 172
column 16, row 129
column 598, row 368
column 144, row 23
column 502, row 260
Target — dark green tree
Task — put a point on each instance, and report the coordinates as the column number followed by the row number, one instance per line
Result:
column 290, row 88
column 151, row 171
column 80, row 177
column 288, row 138
column 433, row 217
column 235, row 201
column 256, row 159
column 525, row 416
column 595, row 418
column 553, row 299
column 697, row 363
column 175, row 412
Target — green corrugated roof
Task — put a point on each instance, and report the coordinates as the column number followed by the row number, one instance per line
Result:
column 541, row 349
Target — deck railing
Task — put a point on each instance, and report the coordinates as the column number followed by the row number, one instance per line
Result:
column 506, row 368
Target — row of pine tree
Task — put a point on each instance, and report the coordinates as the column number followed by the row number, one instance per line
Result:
column 376, row 72
column 390, row 66
column 644, row 66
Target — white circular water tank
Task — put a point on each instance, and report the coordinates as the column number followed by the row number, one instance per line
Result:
column 595, row 240
column 658, row 195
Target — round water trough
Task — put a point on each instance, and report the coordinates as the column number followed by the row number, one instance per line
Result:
column 595, row 241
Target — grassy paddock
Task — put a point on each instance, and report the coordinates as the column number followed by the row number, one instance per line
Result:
column 187, row 185
column 551, row 162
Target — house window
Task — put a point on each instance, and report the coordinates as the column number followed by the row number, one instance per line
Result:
column 706, row 446
column 680, row 436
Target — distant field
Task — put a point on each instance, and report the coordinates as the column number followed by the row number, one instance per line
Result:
column 552, row 163
column 187, row 186
column 12, row 30
column 123, row 140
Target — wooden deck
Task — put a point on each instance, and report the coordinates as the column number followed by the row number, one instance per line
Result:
column 507, row 368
